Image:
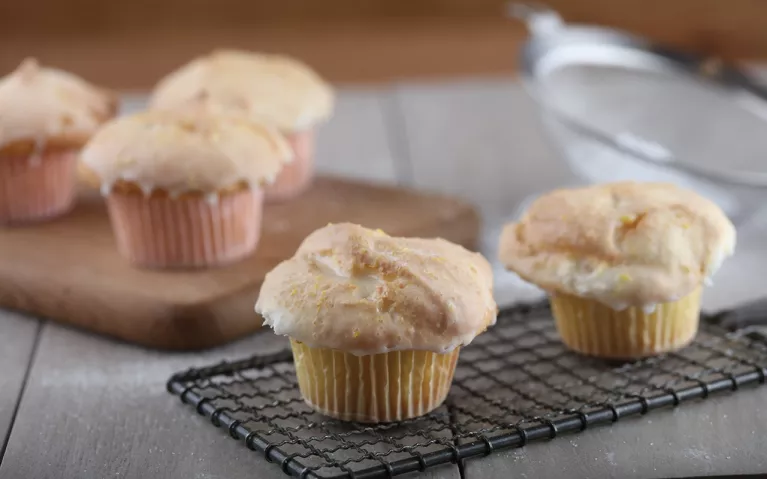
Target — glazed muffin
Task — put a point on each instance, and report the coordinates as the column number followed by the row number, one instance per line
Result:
column 46, row 116
column 184, row 190
column 624, row 264
column 376, row 322
column 273, row 89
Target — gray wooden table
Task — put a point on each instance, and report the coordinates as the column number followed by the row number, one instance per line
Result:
column 74, row 405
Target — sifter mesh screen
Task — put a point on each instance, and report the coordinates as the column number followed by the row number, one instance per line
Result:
column 643, row 98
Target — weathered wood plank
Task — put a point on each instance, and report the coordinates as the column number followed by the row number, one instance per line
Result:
column 481, row 140
column 95, row 408
column 721, row 436
column 355, row 143
column 18, row 334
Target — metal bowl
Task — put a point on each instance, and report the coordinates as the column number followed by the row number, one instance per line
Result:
column 619, row 107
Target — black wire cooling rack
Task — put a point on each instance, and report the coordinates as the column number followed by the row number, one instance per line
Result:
column 514, row 384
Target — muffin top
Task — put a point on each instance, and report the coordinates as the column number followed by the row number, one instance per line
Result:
column 361, row 291
column 182, row 152
column 273, row 89
column 40, row 105
column 623, row 244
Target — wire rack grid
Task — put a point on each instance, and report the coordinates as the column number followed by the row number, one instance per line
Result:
column 513, row 385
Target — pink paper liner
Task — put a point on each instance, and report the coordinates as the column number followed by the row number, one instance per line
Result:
column 37, row 188
column 297, row 175
column 186, row 232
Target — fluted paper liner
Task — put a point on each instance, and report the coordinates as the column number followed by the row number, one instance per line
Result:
column 185, row 232
column 382, row 387
column 296, row 176
column 592, row 328
column 34, row 188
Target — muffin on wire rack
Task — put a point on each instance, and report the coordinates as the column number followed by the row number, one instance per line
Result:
column 376, row 322
column 273, row 89
column 184, row 190
column 624, row 263
column 46, row 116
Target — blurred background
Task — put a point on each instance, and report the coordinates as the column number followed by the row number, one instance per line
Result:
column 129, row 44
column 452, row 116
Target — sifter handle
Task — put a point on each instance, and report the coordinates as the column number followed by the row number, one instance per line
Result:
column 540, row 19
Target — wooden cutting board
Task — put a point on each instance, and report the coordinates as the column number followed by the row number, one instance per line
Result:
column 69, row 270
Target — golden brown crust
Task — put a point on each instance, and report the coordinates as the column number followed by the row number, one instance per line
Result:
column 57, row 144
column 273, row 89
column 180, row 152
column 361, row 291
column 624, row 244
column 127, row 187
column 45, row 105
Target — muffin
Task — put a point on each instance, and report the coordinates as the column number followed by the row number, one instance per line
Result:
column 272, row 89
column 376, row 322
column 184, row 190
column 624, row 264
column 46, row 115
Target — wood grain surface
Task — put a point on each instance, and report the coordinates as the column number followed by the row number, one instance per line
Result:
column 18, row 334
column 69, row 270
column 95, row 409
column 454, row 126
column 98, row 409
